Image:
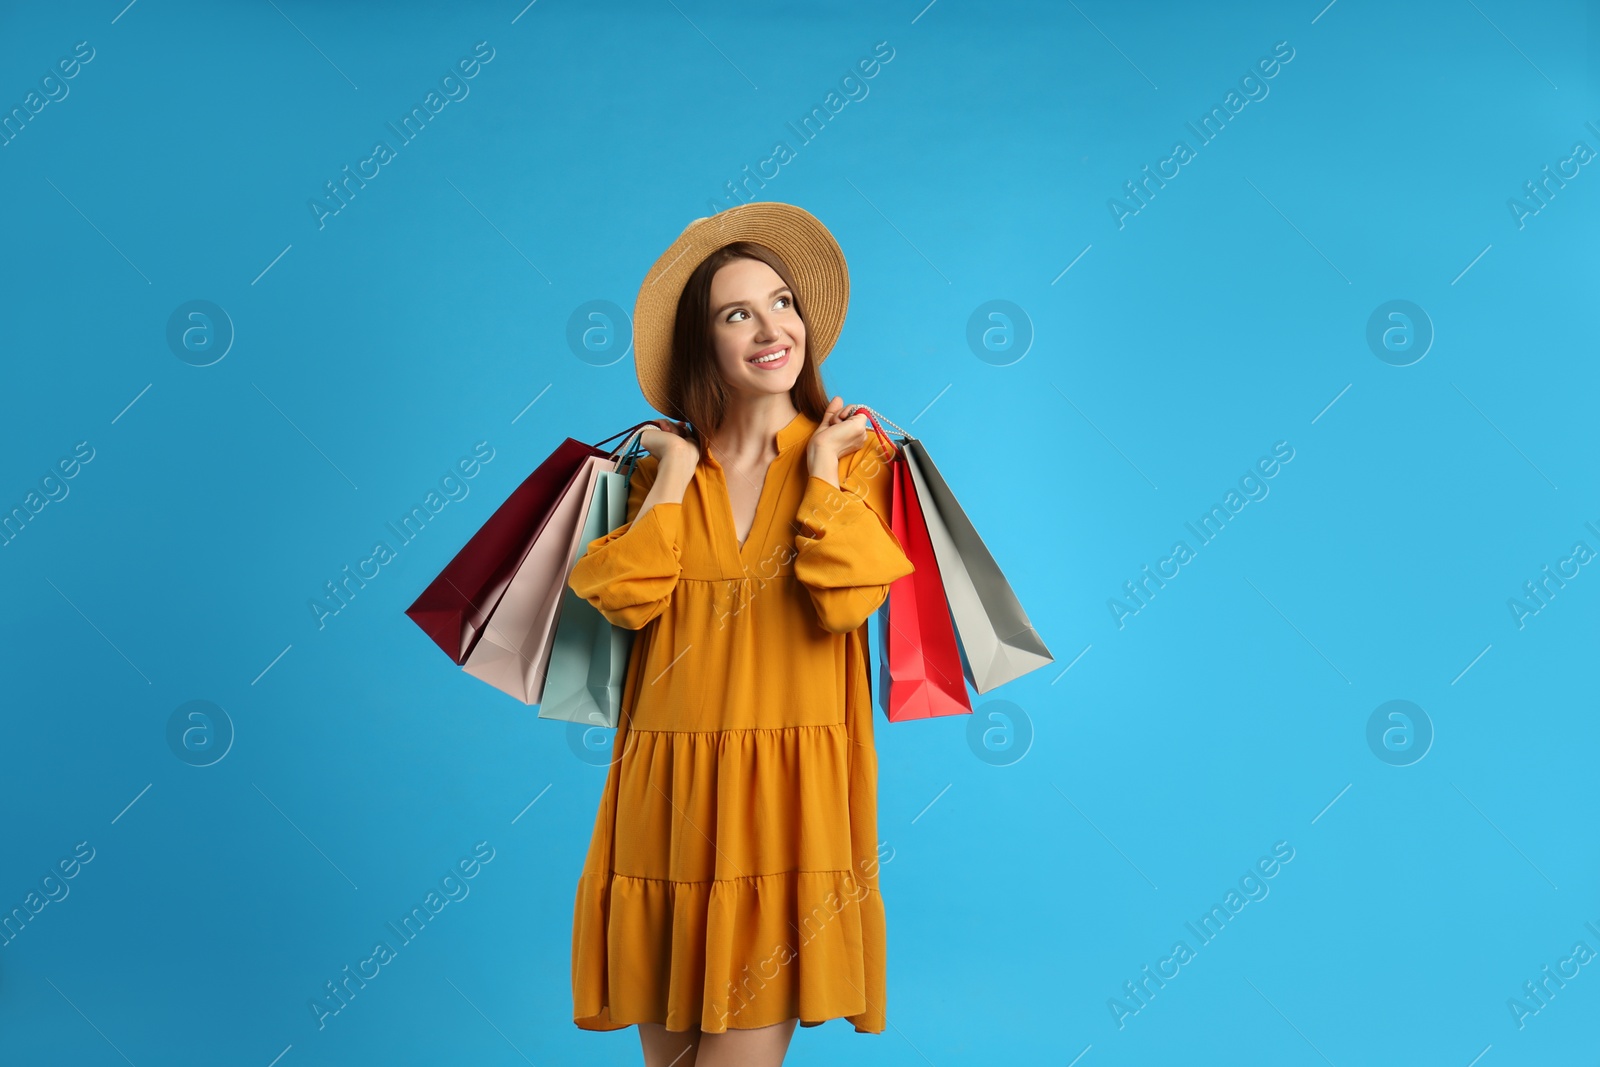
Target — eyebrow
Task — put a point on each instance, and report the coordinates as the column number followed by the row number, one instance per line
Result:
column 736, row 303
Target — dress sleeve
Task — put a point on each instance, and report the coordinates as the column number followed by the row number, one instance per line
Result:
column 845, row 553
column 630, row 573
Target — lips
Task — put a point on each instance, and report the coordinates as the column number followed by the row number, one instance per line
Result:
column 768, row 363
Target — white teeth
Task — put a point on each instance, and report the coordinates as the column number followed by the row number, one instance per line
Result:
column 773, row 356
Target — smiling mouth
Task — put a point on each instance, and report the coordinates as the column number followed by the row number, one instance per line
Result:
column 771, row 359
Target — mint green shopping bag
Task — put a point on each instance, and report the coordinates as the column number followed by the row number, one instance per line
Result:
column 588, row 655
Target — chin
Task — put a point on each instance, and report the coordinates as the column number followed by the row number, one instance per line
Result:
column 773, row 382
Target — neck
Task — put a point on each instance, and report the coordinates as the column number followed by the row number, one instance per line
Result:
column 750, row 425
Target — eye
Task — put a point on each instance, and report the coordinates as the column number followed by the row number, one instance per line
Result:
column 785, row 300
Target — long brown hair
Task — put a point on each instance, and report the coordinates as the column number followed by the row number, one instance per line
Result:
column 696, row 392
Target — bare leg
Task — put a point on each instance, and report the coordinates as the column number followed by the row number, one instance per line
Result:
column 762, row 1047
column 668, row 1048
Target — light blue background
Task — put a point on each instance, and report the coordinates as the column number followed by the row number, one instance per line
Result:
column 432, row 312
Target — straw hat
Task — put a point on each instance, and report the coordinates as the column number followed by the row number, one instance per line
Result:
column 815, row 262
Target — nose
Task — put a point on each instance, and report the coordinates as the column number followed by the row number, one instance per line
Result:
column 766, row 325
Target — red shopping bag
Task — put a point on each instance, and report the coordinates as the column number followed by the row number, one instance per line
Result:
column 455, row 606
column 919, row 661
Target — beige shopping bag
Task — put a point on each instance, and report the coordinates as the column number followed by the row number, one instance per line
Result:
column 513, row 652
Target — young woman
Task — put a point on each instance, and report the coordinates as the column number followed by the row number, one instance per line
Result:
column 731, row 885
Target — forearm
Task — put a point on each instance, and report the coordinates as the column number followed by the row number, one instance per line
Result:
column 823, row 464
column 630, row 574
column 672, row 481
column 847, row 555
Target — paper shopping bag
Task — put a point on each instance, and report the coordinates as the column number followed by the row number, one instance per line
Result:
column 513, row 649
column 589, row 655
column 920, row 664
column 998, row 643
column 454, row 606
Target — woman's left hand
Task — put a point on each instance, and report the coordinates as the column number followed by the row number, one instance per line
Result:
column 843, row 429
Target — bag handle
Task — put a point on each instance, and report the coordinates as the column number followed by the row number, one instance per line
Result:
column 636, row 426
column 629, row 450
column 873, row 417
column 877, row 414
column 625, row 456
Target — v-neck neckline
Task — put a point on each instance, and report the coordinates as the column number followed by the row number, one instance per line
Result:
column 797, row 430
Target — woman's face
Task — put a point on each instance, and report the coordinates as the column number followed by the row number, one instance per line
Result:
column 753, row 315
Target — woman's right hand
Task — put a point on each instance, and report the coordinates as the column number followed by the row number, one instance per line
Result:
column 671, row 441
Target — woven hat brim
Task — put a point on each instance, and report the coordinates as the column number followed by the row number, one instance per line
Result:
column 815, row 262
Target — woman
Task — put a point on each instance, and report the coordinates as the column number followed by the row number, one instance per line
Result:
column 730, row 889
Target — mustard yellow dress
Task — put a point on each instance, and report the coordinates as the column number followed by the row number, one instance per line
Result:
column 732, row 878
